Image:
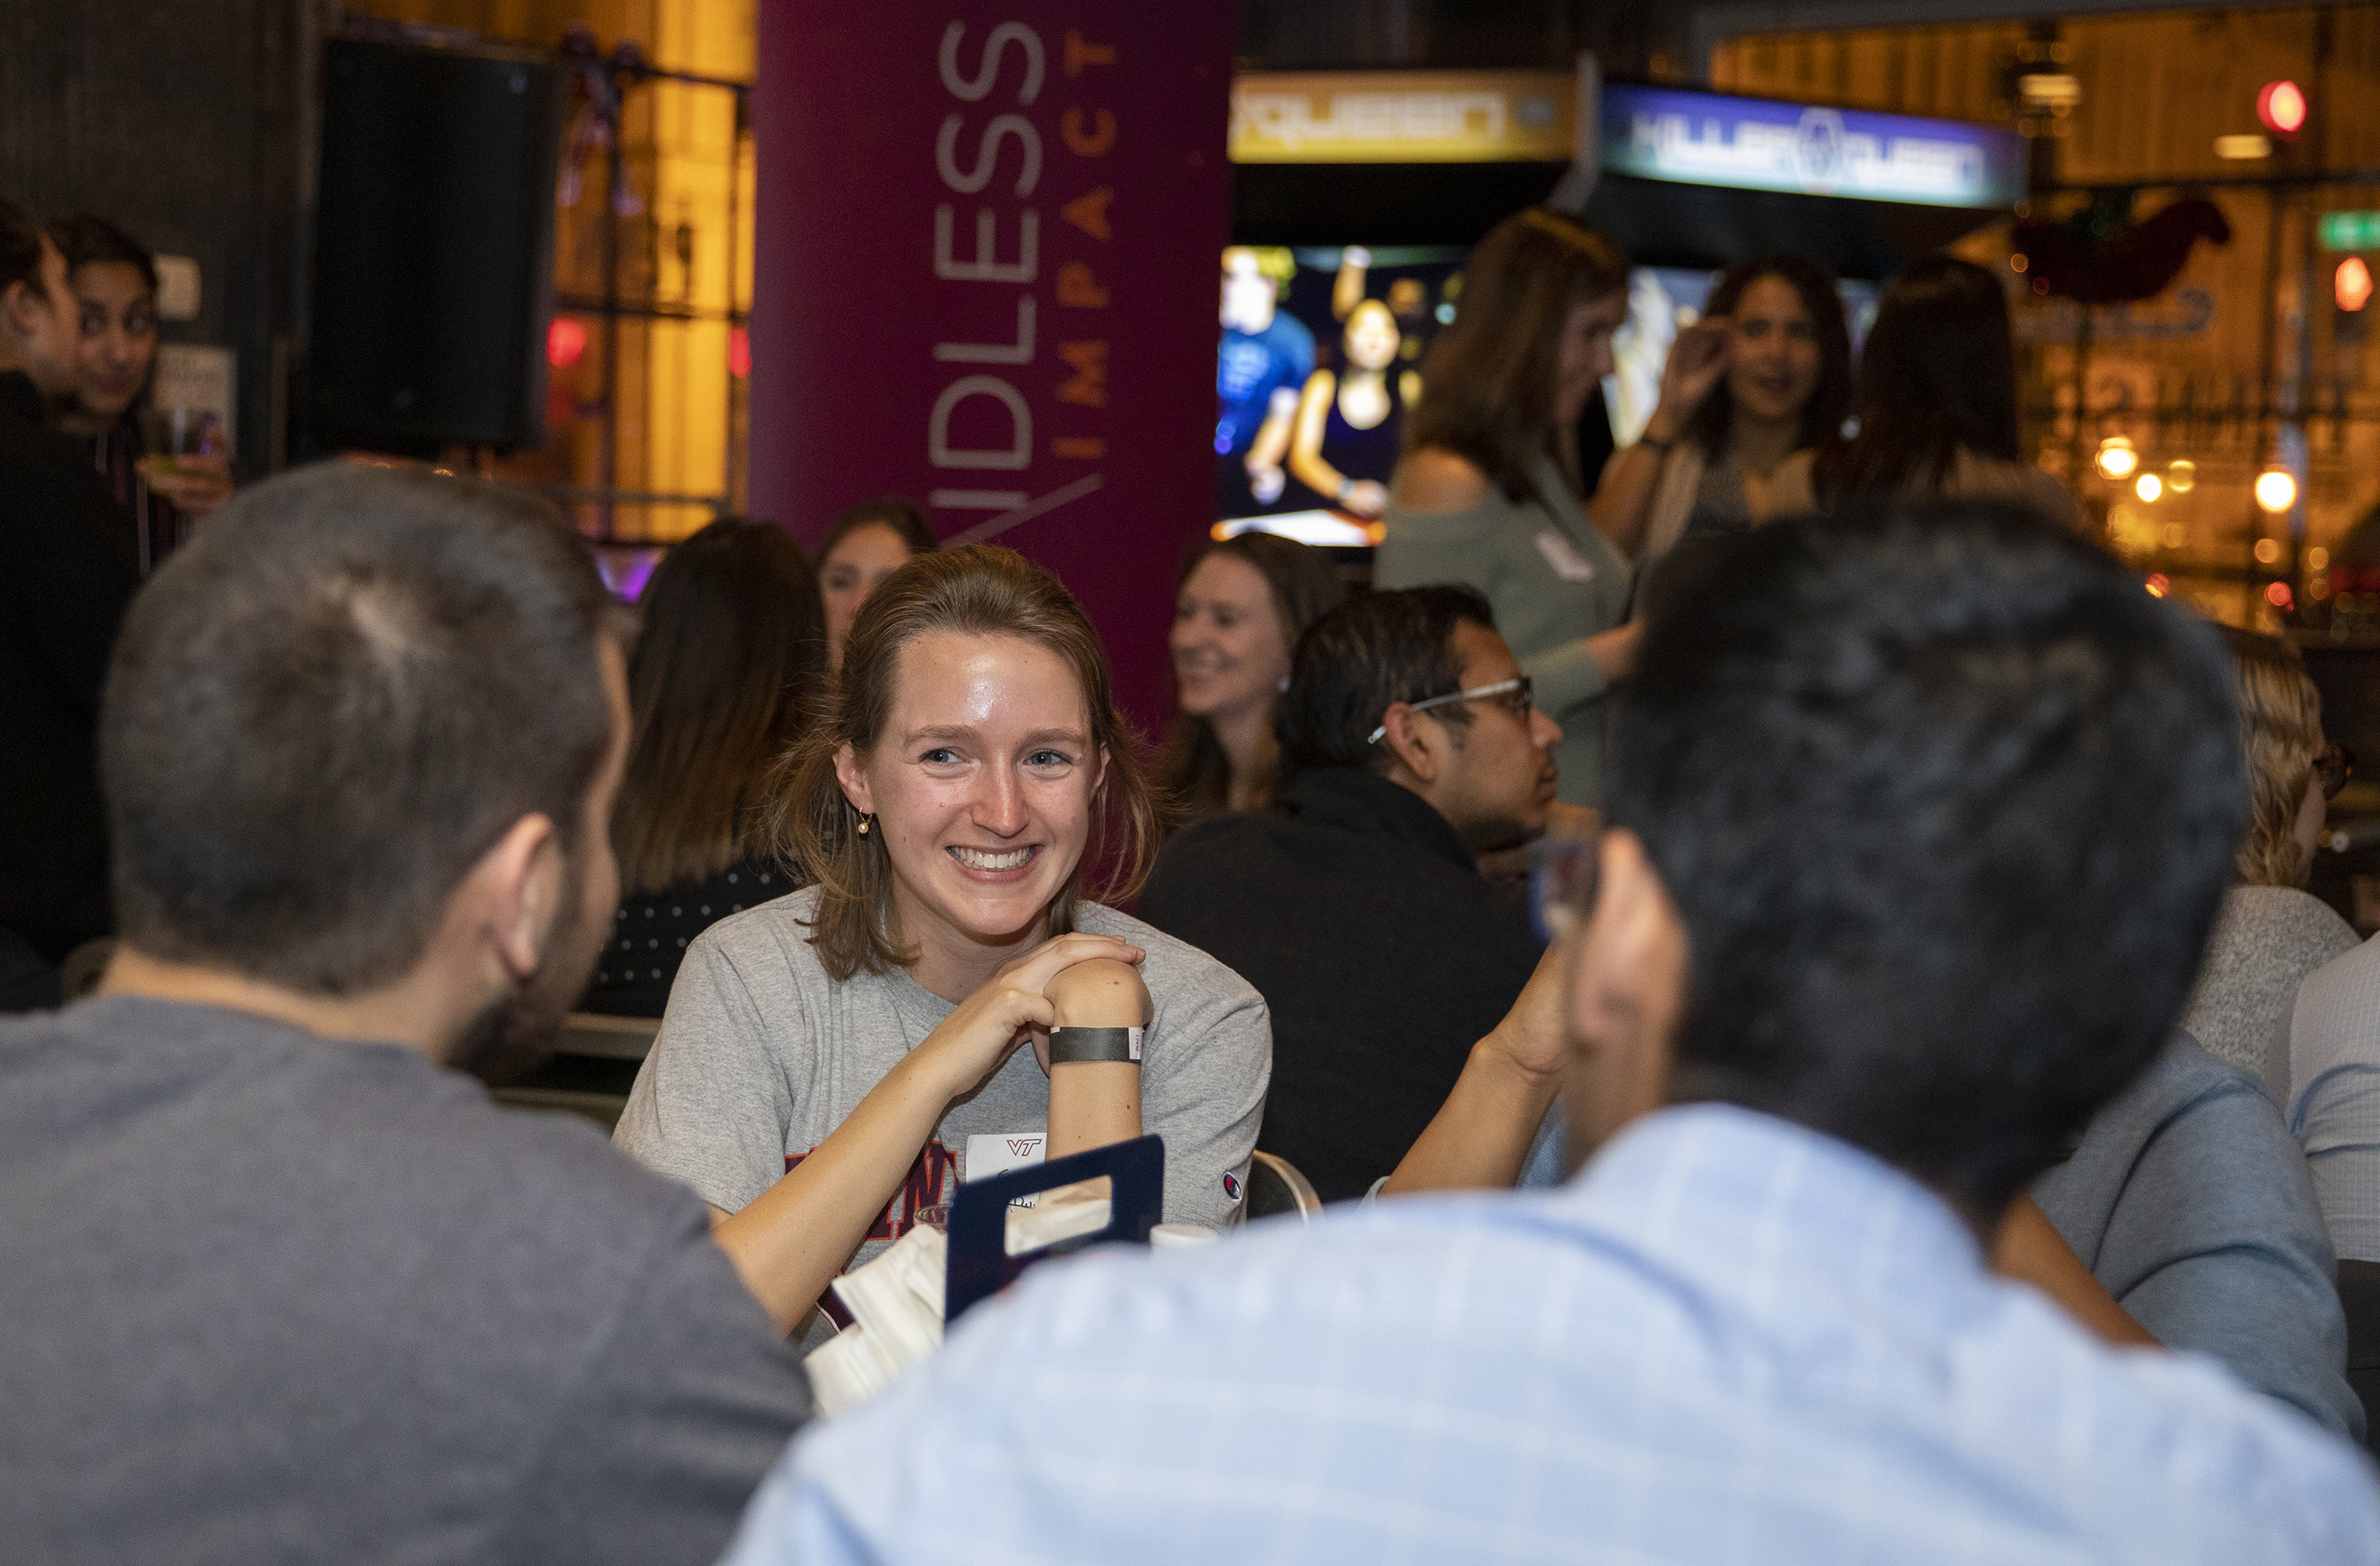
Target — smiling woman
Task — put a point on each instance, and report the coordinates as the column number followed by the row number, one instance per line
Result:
column 114, row 281
column 1238, row 610
column 832, row 1060
column 868, row 543
column 1765, row 375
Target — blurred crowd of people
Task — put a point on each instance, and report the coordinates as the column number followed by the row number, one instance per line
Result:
column 1828, row 943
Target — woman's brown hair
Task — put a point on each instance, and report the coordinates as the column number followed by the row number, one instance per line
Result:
column 1489, row 381
column 1822, row 301
column 1195, row 773
column 897, row 512
column 727, row 668
column 2280, row 729
column 1937, row 375
column 978, row 589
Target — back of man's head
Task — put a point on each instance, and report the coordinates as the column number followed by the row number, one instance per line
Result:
column 1349, row 666
column 1947, row 804
column 329, row 705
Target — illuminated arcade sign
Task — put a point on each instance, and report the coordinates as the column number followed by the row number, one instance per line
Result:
column 1403, row 117
column 1753, row 144
column 2350, row 231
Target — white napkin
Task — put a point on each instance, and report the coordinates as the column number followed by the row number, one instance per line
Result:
column 896, row 1310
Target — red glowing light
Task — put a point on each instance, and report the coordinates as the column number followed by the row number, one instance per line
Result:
column 565, row 340
column 2352, row 284
column 739, row 353
column 2282, row 108
column 2278, row 595
column 2158, row 584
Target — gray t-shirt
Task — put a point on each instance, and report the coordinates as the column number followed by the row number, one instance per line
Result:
column 271, row 1297
column 2333, row 1094
column 2191, row 1205
column 761, row 1055
column 2265, row 941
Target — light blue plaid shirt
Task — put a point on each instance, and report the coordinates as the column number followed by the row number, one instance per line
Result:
column 1731, row 1339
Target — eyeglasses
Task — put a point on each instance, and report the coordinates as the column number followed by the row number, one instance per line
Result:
column 1563, row 874
column 1519, row 698
column 2334, row 767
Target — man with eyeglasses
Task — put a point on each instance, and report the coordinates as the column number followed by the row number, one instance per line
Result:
column 1920, row 818
column 1408, row 745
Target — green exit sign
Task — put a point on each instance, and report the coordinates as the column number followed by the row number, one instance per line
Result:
column 2351, row 231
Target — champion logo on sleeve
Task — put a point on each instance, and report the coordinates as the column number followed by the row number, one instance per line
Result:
column 1231, row 1187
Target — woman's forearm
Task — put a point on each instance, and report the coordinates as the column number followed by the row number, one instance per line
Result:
column 793, row 1239
column 2030, row 1249
column 1093, row 1104
column 1614, row 652
column 1305, row 461
column 1096, row 1103
column 1622, row 503
column 1481, row 1136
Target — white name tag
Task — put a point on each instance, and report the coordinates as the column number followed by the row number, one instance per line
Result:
column 1564, row 556
column 999, row 1152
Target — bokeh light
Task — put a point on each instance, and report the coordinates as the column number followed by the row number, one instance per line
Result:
column 566, row 340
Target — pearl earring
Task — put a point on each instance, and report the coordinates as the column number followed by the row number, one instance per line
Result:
column 864, row 820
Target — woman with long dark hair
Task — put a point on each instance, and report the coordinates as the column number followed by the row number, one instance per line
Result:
column 1937, row 413
column 115, row 283
column 1238, row 610
column 729, row 667
column 1734, row 408
column 868, row 543
column 1488, row 492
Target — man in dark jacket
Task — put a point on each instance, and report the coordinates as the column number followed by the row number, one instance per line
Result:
column 70, row 574
column 1408, row 742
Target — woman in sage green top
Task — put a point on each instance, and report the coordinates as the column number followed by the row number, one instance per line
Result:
column 1487, row 492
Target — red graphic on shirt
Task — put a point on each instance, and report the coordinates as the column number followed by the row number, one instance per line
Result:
column 921, row 1187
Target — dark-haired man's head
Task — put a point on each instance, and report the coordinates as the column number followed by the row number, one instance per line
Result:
column 359, row 744
column 1922, row 818
column 1364, row 685
column 38, row 327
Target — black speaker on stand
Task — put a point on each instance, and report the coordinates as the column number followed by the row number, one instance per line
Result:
column 433, row 256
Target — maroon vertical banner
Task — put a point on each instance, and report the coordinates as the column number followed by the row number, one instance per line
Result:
column 985, row 278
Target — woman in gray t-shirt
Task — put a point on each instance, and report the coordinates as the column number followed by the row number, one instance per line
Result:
column 835, row 1060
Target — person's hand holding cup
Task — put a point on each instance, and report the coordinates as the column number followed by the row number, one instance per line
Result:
column 187, row 464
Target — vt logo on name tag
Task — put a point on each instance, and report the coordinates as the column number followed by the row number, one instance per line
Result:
column 1564, row 556
column 999, row 1152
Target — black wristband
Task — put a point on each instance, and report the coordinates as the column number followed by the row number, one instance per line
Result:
column 1069, row 1046
column 1655, row 444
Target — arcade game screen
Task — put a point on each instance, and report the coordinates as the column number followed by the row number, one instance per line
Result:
column 1321, row 357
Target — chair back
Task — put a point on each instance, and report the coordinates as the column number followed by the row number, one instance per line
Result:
column 608, row 1037
column 2359, row 1292
column 1275, row 1185
column 85, row 966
